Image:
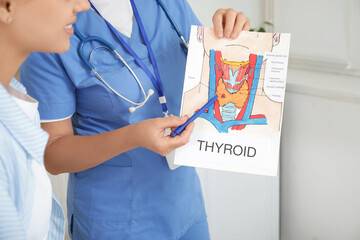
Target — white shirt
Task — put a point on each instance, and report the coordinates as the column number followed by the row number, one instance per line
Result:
column 118, row 12
column 27, row 104
column 40, row 219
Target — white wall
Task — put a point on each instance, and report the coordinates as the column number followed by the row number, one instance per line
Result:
column 320, row 164
column 241, row 206
column 320, row 180
column 325, row 33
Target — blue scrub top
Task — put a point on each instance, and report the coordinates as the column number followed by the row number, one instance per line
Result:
column 133, row 195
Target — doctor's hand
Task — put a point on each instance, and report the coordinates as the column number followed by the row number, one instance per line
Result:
column 150, row 134
column 229, row 23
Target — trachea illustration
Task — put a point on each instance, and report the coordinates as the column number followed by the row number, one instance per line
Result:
column 235, row 84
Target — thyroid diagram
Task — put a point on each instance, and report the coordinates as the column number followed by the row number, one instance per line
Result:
column 235, row 84
column 235, row 72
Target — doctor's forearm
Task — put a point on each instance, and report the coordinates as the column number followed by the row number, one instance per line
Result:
column 68, row 153
column 78, row 153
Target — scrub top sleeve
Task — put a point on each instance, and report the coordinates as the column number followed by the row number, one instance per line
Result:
column 190, row 14
column 46, row 80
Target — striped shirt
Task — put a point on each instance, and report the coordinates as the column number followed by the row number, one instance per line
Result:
column 21, row 142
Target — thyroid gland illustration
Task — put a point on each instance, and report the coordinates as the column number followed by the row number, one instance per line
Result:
column 235, row 84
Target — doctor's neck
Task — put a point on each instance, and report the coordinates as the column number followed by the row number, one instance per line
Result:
column 11, row 58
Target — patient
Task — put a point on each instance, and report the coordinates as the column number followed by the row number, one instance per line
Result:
column 27, row 208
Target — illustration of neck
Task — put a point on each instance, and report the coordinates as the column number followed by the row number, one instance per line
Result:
column 232, row 88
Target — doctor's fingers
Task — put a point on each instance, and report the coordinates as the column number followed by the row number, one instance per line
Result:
column 172, row 121
column 184, row 137
column 230, row 23
column 174, row 127
column 242, row 23
column 169, row 144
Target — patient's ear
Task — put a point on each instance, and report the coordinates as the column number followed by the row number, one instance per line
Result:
column 276, row 39
column 7, row 10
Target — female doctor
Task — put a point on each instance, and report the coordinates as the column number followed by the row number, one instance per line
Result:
column 104, row 112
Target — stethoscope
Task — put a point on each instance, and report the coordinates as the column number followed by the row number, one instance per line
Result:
column 156, row 80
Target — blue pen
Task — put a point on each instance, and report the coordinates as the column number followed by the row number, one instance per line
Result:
column 181, row 128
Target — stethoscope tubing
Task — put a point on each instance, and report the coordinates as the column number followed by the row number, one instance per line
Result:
column 177, row 30
column 156, row 80
column 84, row 40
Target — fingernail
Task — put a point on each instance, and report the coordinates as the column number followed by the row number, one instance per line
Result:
column 234, row 35
column 220, row 34
column 227, row 34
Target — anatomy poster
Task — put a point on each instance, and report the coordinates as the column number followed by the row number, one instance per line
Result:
column 241, row 131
